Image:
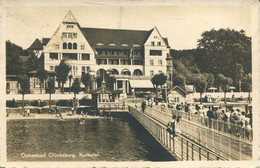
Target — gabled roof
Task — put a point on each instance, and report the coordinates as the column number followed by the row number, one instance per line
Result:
column 177, row 88
column 45, row 41
column 166, row 41
column 36, row 45
column 70, row 18
column 114, row 38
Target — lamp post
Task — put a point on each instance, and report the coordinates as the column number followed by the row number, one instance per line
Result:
column 165, row 87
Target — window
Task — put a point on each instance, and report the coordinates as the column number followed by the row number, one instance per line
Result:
column 57, row 46
column 51, row 68
column 151, row 73
column 54, row 56
column 103, row 61
column 152, row 43
column 74, row 46
column 69, row 35
column 69, row 46
column 69, row 56
column 74, row 35
column 70, row 26
column 160, row 72
column 64, row 45
column 82, row 46
column 64, row 35
column 74, row 70
column 158, row 43
column 176, row 99
column 155, row 36
column 85, row 69
column 155, row 52
column 85, row 57
column 160, row 62
column 151, row 62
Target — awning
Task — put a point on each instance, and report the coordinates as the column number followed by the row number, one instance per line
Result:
column 141, row 84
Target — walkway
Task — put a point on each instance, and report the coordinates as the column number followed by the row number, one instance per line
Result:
column 196, row 142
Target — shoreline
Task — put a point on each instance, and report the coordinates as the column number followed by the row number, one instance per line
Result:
column 49, row 116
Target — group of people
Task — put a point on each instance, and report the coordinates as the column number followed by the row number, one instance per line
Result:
column 57, row 111
column 232, row 120
column 27, row 112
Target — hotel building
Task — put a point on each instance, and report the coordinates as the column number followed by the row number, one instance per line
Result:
column 132, row 56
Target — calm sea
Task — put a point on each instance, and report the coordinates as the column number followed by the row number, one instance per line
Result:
column 122, row 139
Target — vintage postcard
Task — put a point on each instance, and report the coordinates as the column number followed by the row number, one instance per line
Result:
column 121, row 84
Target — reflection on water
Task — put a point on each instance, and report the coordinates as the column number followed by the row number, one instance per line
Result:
column 122, row 139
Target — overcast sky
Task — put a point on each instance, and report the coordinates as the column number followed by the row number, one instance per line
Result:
column 182, row 25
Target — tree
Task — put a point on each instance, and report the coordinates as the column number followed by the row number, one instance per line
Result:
column 75, row 88
column 110, row 80
column 178, row 80
column 247, row 83
column 86, row 80
column 158, row 80
column 62, row 72
column 33, row 62
column 14, row 65
column 209, row 78
column 42, row 75
column 219, row 51
column 239, row 75
column 50, row 89
column 200, row 83
column 70, row 78
column 225, row 83
column 24, row 82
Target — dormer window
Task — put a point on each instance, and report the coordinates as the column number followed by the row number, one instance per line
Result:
column 112, row 44
column 152, row 43
column 124, row 45
column 100, row 44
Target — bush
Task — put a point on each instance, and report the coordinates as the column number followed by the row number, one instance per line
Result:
column 85, row 102
column 63, row 103
column 11, row 103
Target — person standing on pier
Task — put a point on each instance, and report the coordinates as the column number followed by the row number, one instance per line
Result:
column 143, row 106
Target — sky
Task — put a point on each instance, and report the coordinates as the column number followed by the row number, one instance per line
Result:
column 182, row 25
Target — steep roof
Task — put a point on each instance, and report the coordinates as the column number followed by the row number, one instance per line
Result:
column 45, row 41
column 36, row 45
column 115, row 38
column 177, row 88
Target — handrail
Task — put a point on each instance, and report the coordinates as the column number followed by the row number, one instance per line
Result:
column 233, row 146
column 225, row 127
column 180, row 137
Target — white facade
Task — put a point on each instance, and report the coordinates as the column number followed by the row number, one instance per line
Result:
column 71, row 43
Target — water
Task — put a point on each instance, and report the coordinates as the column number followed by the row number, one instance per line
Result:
column 122, row 139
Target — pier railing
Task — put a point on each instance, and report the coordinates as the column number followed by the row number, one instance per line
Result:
column 224, row 127
column 224, row 144
column 181, row 146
